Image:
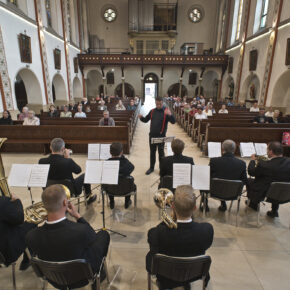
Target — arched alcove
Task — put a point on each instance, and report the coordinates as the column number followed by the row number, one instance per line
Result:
column 58, row 88
column 151, row 84
column 93, row 81
column 129, row 90
column 250, row 89
column 174, row 90
column 210, row 84
column 77, row 88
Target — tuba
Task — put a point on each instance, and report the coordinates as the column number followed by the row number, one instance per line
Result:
column 162, row 198
column 4, row 189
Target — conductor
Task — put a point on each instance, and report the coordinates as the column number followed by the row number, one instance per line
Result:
column 159, row 117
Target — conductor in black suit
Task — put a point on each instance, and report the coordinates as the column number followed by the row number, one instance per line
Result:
column 62, row 167
column 266, row 172
column 159, row 117
column 60, row 239
column 228, row 167
column 189, row 239
column 13, row 230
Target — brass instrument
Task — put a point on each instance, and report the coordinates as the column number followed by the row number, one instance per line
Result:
column 261, row 158
column 4, row 189
column 162, row 198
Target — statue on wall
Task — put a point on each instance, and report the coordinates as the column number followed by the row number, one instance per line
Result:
column 252, row 92
column 231, row 89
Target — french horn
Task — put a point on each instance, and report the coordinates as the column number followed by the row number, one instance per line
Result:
column 163, row 198
column 4, row 188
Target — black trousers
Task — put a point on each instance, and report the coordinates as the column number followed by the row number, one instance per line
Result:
column 153, row 149
column 79, row 184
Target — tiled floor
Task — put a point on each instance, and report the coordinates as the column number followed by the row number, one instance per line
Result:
column 243, row 257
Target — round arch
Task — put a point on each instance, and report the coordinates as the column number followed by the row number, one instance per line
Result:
column 129, row 90
column 27, row 88
column 209, row 83
column 94, row 80
column 250, row 89
column 151, row 85
column 77, row 88
column 58, row 88
column 174, row 90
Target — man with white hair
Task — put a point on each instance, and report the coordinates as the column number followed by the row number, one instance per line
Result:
column 106, row 120
column 31, row 119
column 24, row 114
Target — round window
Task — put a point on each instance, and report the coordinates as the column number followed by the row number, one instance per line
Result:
column 195, row 14
column 110, row 14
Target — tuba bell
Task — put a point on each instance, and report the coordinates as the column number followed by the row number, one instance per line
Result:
column 162, row 198
column 4, row 189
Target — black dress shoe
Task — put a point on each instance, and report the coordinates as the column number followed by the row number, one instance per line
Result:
column 272, row 214
column 92, row 199
column 149, row 171
column 112, row 204
column 223, row 207
column 24, row 265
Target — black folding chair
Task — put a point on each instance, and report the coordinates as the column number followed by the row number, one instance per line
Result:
column 279, row 192
column 3, row 262
column 225, row 190
column 68, row 273
column 167, row 182
column 180, row 269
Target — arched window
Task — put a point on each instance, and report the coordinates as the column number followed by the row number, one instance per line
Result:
column 264, row 13
column 261, row 15
column 48, row 12
column 237, row 20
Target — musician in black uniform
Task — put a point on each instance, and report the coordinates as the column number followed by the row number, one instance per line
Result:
column 159, row 117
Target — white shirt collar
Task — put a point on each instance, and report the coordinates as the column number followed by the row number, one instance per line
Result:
column 57, row 221
column 184, row 221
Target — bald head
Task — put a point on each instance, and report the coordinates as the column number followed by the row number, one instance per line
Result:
column 53, row 198
column 229, row 146
column 184, row 201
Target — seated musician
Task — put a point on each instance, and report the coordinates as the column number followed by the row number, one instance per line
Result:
column 31, row 119
column 125, row 170
column 131, row 106
column 265, row 172
column 13, row 230
column 66, row 113
column 261, row 118
column 255, row 108
column 62, row 167
column 223, row 110
column 106, row 120
column 199, row 114
column 102, row 105
column 6, row 118
column 228, row 167
column 166, row 165
column 53, row 113
column 60, row 239
column 24, row 114
column 120, row 106
column 188, row 240
column 80, row 113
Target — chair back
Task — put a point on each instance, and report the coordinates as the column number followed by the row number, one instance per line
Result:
column 63, row 273
column 279, row 192
column 180, row 269
column 66, row 182
column 2, row 259
column 225, row 189
column 167, row 182
column 125, row 185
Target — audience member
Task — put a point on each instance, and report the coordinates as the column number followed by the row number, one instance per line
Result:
column 107, row 120
column 261, row 118
column 80, row 113
column 265, row 172
column 102, row 105
column 31, row 119
column 136, row 100
column 24, row 114
column 255, row 108
column 230, row 103
column 188, row 240
column 66, row 113
column 60, row 239
column 276, row 118
column 223, row 110
column 199, row 114
column 88, row 109
column 270, row 113
column 120, row 106
column 207, row 111
column 93, row 101
column 6, row 118
column 187, row 108
column 62, row 167
column 85, row 102
column 131, row 106
column 211, row 108
column 202, row 100
column 210, row 102
column 52, row 113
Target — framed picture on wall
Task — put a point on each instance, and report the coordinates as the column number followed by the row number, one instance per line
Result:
column 76, row 65
column 287, row 61
column 231, row 64
column 57, row 58
column 253, row 60
column 25, row 48
column 192, row 77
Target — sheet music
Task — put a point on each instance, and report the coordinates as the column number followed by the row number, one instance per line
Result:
column 19, row 175
column 94, row 151
column 169, row 149
column 158, row 140
column 110, row 173
column 39, row 175
column 105, row 151
column 214, row 149
column 201, row 177
column 261, row 149
column 181, row 174
column 93, row 173
column 247, row 149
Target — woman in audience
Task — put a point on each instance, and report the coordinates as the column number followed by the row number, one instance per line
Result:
column 255, row 108
column 53, row 113
column 199, row 114
column 207, row 111
column 88, row 109
column 80, row 113
column 270, row 113
column 66, row 113
column 223, row 110
column 24, row 114
column 120, row 106
column 31, row 119
column 6, row 118
column 102, row 106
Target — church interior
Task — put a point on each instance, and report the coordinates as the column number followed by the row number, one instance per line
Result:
column 91, row 72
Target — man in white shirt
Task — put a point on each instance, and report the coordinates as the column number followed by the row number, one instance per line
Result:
column 255, row 108
column 199, row 114
column 31, row 120
column 223, row 110
column 270, row 113
column 207, row 111
column 80, row 113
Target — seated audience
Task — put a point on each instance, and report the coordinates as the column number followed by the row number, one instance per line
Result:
column 88, row 109
column 187, row 108
column 276, row 118
column 223, row 110
column 265, row 172
column 211, row 108
column 52, row 113
column 177, row 103
column 120, row 106
column 85, row 102
column 166, row 164
column 13, row 230
column 80, row 113
column 193, row 102
column 230, row 103
column 241, row 104
column 136, row 100
column 66, row 113
column 24, row 114
column 102, row 105
column 210, row 102
column 261, row 118
column 71, row 106
column 270, row 113
column 61, row 239
column 202, row 100
column 207, row 111
column 62, row 167
column 199, row 114
column 131, row 106
column 31, row 119
column 6, row 118
column 93, row 101
column 228, row 167
column 125, row 170
column 107, row 120
column 255, row 108
column 188, row 240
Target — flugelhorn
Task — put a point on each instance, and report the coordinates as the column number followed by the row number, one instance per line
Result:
column 162, row 198
column 4, row 188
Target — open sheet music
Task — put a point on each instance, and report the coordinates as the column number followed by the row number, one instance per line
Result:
column 247, row 149
column 99, row 151
column 214, row 149
column 201, row 177
column 169, row 149
column 159, row 140
column 261, row 149
column 102, row 172
column 28, row 175
column 181, row 174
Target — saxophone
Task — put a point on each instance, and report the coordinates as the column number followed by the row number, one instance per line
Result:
column 162, row 198
column 4, row 189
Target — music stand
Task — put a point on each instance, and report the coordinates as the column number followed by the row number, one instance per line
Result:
column 159, row 140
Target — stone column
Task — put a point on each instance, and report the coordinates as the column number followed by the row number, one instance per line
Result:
column 180, row 87
column 142, row 91
column 161, row 87
column 123, row 87
column 105, row 85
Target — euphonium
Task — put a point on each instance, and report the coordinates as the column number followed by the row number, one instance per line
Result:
column 162, row 198
column 261, row 158
column 4, row 189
